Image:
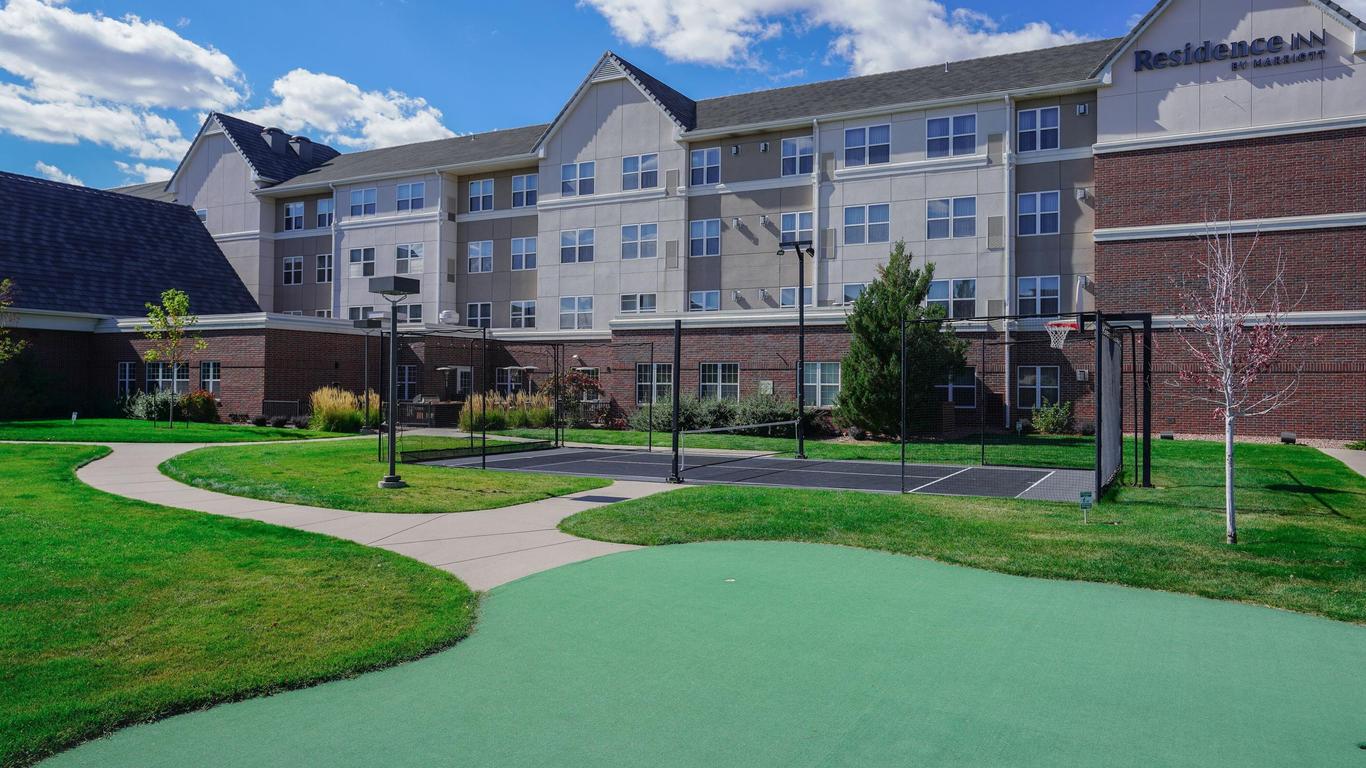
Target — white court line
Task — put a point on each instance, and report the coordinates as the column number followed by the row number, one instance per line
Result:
column 1036, row 482
column 945, row 477
column 724, row 466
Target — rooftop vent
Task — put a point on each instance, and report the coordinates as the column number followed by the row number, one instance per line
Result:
column 303, row 147
column 608, row 70
column 276, row 139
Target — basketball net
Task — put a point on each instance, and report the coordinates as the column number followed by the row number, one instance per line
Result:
column 1057, row 332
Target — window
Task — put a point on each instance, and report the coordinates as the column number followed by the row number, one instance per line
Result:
column 867, row 224
column 203, row 214
column 324, row 313
column 362, row 262
column 479, row 256
column 589, row 395
column 654, row 385
column 1037, row 385
column 640, row 241
column 719, row 381
column 325, row 212
column 961, row 388
column 363, row 201
column 852, row 291
column 821, row 383
column 576, row 179
column 576, row 246
column 508, row 381
column 951, row 136
column 524, row 190
column 323, row 268
column 294, row 216
column 464, row 380
column 795, row 227
column 408, row 259
column 479, row 314
column 210, row 376
column 950, row 217
column 868, row 146
column 1038, row 213
column 127, row 381
column 1038, row 129
column 576, row 312
column 406, row 382
column 1038, row 295
column 704, row 237
column 704, row 301
column 294, row 270
column 481, row 195
column 958, row 298
column 704, row 166
column 637, row 303
column 295, row 312
column 159, row 377
column 798, row 156
column 523, row 314
column 787, row 297
column 523, row 253
column 640, row 172
column 411, row 197
column 410, row 313
column 360, row 313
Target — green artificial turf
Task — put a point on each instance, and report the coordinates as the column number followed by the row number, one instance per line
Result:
column 782, row 654
column 1302, row 527
column 135, row 431
column 343, row 474
column 114, row 611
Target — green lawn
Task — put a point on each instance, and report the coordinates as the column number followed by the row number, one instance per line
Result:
column 1302, row 528
column 117, row 611
column 342, row 475
column 1077, row 452
column 135, row 431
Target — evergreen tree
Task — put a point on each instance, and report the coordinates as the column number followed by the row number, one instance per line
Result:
column 871, row 370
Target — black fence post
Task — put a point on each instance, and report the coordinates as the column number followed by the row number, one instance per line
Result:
column 674, row 476
column 1147, row 401
column 901, row 397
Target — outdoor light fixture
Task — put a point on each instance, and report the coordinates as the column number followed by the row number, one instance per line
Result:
column 735, row 296
column 803, row 249
column 763, row 218
column 394, row 289
column 735, row 149
column 735, row 222
column 763, row 146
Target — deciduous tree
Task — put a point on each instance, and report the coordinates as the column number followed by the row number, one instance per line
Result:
column 170, row 329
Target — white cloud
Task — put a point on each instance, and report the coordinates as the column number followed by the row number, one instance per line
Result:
column 347, row 116
column 140, row 133
column 872, row 35
column 50, row 171
column 144, row 172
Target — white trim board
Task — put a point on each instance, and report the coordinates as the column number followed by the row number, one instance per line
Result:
column 1237, row 227
column 1230, row 134
column 1053, row 155
column 580, row 201
column 752, row 185
column 498, row 213
column 913, row 166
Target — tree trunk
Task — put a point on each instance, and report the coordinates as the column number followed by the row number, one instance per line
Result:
column 1230, row 515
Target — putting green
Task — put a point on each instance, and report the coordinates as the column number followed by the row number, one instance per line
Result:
column 779, row 654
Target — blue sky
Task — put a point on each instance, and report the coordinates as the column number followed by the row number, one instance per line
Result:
column 90, row 92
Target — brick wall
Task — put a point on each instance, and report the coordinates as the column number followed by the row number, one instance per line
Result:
column 240, row 355
column 62, row 360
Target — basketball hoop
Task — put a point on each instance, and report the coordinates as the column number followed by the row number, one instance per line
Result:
column 1058, row 330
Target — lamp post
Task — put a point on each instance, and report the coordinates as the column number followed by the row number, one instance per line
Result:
column 365, row 325
column 802, row 248
column 393, row 289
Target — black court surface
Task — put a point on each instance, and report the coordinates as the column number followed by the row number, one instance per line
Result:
column 730, row 469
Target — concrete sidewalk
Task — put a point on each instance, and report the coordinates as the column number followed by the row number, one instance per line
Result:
column 1354, row 459
column 484, row 548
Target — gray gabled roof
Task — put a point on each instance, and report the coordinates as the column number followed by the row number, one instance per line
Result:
column 680, row 108
column 267, row 163
column 154, row 190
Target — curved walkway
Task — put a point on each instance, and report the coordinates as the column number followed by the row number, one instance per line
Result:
column 484, row 548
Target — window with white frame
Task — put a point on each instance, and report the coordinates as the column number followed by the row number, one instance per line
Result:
column 590, row 395
column 359, row 313
column 362, row 262
column 640, row 171
column 960, row 389
column 719, row 381
column 787, row 297
column 126, row 382
column 576, row 179
column 464, row 380
column 324, row 313
column 704, row 237
column 654, row 384
column 479, row 314
column 1038, row 213
column 161, row 379
column 958, row 298
column 576, row 246
column 640, row 241
column 410, row 313
column 704, row 166
column 852, row 292
column 522, row 314
column 949, row 217
column 704, row 301
column 870, row 145
column 637, row 303
column 295, row 312
column 481, row 195
column 508, row 381
column 293, row 270
column 951, row 136
column 1038, row 295
column 322, row 271
column 798, row 156
column 411, row 197
column 524, row 190
column 406, row 382
column 1037, row 385
column 867, row 224
column 1038, row 129
column 408, row 259
column 326, row 208
column 479, row 256
column 795, row 227
column 821, row 383
column 294, row 216
column 576, row 312
column 523, row 253
column 363, row 201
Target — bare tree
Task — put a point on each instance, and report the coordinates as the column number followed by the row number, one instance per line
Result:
column 1236, row 336
column 9, row 347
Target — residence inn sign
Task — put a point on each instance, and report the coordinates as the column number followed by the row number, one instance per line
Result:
column 1257, row 53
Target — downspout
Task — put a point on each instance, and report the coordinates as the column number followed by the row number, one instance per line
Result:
column 815, row 217
column 1008, row 233
column 336, row 256
column 440, row 223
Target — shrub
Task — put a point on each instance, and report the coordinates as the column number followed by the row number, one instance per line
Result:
column 496, row 411
column 299, row 422
column 149, row 406
column 762, row 409
column 260, row 421
column 335, row 410
column 374, row 416
column 279, row 421
column 199, row 405
column 1055, row 419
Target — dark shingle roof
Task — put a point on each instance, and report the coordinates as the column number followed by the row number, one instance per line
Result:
column 76, row 249
column 681, row 108
column 269, row 164
column 154, row 190
column 1064, row 64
